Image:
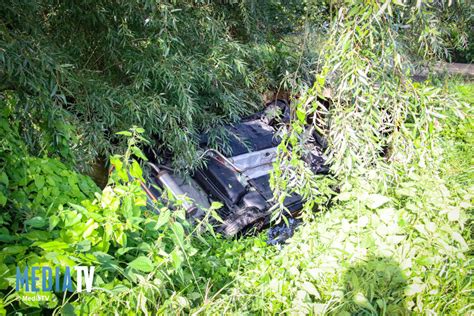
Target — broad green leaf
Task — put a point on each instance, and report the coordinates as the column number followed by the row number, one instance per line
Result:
column 136, row 170
column 3, row 199
column 124, row 133
column 142, row 263
column 163, row 218
column 39, row 182
column 36, row 222
column 53, row 222
column 84, row 245
column 311, row 289
column 52, row 245
column 179, row 233
column 414, row 289
column 376, row 200
column 71, row 218
column 137, row 152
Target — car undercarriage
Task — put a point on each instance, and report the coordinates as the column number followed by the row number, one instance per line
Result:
column 239, row 177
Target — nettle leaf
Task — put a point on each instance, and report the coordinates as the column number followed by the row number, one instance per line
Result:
column 301, row 114
column 177, row 258
column 36, row 222
column 52, row 245
column 361, row 300
column 163, row 218
column 37, row 235
column 124, row 133
column 122, row 251
column 53, row 222
column 71, row 218
column 216, row 205
column 376, row 200
column 91, row 227
column 137, row 152
column 178, row 233
column 84, row 245
column 3, row 199
column 68, row 309
column 127, row 207
column 142, row 263
column 4, row 178
column 146, row 247
column 116, row 162
column 136, row 170
column 39, row 182
column 311, row 289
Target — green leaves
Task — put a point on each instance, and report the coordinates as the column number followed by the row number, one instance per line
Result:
column 142, row 264
column 138, row 153
column 178, row 233
column 136, row 170
column 188, row 67
column 310, row 289
column 3, row 199
column 39, row 185
column 36, row 222
column 163, row 219
column 125, row 133
column 375, row 201
column 114, row 231
column 55, row 245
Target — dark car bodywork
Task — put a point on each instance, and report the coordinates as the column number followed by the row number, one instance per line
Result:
column 239, row 179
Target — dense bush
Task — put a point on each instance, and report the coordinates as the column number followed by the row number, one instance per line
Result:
column 32, row 186
column 140, row 256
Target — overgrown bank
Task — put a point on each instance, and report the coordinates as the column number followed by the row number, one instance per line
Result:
column 385, row 247
column 394, row 240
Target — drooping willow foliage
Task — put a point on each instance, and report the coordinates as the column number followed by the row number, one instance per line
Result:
column 87, row 69
column 376, row 111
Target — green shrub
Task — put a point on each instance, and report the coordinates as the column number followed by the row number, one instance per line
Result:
column 140, row 257
column 32, row 186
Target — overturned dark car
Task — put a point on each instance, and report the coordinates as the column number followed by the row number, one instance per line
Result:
column 239, row 179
